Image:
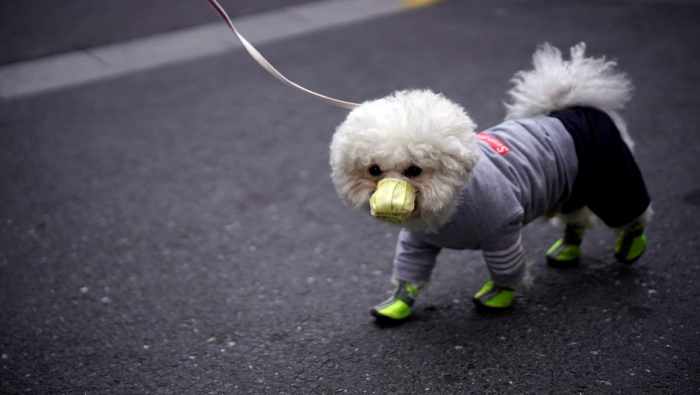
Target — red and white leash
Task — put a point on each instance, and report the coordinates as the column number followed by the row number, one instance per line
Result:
column 270, row 69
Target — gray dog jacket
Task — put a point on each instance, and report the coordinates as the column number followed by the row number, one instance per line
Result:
column 525, row 168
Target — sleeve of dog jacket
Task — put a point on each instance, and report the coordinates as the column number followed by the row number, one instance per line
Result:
column 504, row 255
column 414, row 259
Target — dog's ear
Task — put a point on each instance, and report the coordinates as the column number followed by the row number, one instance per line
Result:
column 449, row 129
column 458, row 153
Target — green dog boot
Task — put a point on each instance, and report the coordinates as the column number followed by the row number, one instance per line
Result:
column 398, row 306
column 630, row 245
column 492, row 298
column 566, row 251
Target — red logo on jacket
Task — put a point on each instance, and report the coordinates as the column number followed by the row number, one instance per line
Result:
column 495, row 143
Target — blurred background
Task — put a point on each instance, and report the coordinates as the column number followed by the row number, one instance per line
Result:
column 168, row 224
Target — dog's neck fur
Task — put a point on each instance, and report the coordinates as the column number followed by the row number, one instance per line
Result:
column 436, row 220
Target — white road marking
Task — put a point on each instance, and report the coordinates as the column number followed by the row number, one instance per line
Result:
column 98, row 63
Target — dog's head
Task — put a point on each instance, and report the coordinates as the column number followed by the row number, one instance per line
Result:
column 418, row 137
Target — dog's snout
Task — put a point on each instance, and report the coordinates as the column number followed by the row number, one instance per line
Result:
column 393, row 200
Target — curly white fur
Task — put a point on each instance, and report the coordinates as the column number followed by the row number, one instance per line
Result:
column 408, row 128
column 555, row 84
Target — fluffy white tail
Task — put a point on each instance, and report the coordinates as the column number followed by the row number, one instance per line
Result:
column 556, row 84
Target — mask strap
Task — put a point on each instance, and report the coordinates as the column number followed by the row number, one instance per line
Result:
column 270, row 69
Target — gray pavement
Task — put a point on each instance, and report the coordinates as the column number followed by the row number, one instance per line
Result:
column 176, row 231
column 36, row 28
column 153, row 51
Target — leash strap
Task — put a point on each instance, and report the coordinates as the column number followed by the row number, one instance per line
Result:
column 270, row 69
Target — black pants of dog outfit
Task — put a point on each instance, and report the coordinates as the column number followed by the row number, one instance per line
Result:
column 608, row 181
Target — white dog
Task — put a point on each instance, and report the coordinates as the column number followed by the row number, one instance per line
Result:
column 413, row 158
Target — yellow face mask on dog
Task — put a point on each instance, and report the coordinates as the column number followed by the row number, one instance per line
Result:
column 393, row 201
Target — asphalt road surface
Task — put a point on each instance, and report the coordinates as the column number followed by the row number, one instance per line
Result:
column 35, row 28
column 176, row 231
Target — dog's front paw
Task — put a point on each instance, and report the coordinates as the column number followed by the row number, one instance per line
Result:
column 398, row 307
column 492, row 298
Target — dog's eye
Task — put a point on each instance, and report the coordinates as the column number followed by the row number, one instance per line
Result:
column 413, row 171
column 375, row 171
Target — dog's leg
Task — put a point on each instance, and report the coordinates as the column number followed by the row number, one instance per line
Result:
column 398, row 307
column 631, row 240
column 505, row 258
column 413, row 266
column 566, row 251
